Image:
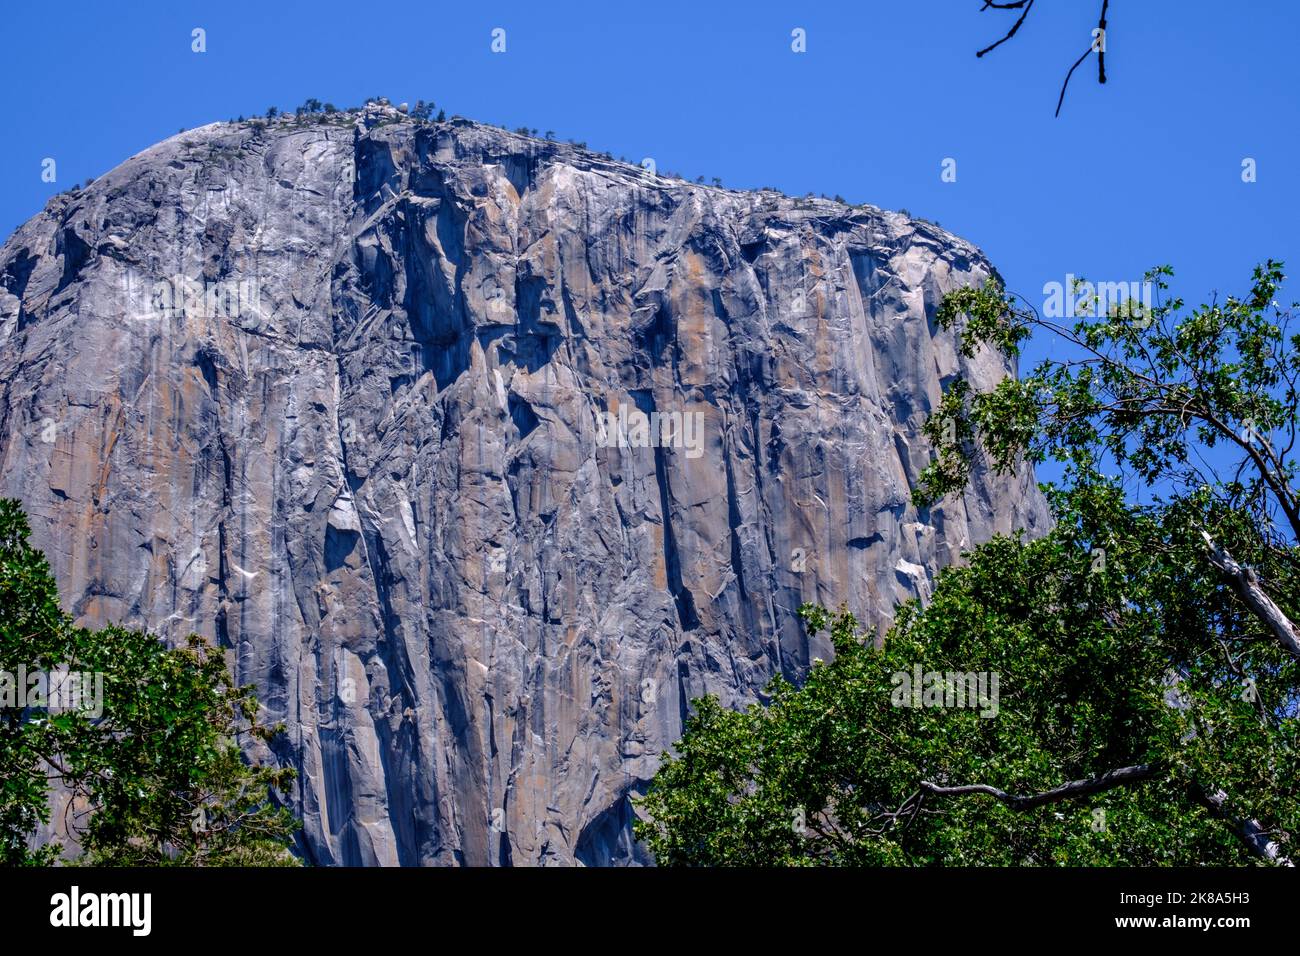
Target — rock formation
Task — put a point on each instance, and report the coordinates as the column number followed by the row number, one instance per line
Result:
column 336, row 393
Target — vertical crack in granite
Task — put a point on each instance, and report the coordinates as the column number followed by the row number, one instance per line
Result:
column 378, row 478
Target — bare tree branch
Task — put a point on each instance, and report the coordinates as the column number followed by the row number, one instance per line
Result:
column 1120, row 777
column 1245, row 583
column 1101, row 54
column 1258, row 840
column 1252, row 833
column 1061, row 99
column 1026, row 4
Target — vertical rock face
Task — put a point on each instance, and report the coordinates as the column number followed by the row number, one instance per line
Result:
column 336, row 394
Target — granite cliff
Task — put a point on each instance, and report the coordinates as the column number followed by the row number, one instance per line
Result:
column 364, row 399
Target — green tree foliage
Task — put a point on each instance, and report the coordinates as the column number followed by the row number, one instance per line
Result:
column 32, row 634
column 1148, row 672
column 156, row 777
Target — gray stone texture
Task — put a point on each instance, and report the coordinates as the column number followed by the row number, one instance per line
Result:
column 370, row 464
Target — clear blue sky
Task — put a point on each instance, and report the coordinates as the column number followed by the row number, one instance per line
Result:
column 1144, row 170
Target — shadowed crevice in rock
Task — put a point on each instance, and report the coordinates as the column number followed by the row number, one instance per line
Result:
column 607, row 840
